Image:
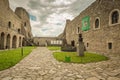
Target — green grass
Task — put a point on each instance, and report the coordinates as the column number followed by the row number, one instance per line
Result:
column 9, row 58
column 52, row 48
column 88, row 58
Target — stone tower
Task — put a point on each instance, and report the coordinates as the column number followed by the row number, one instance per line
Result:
column 24, row 16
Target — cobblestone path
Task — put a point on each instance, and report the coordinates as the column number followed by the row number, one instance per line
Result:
column 40, row 65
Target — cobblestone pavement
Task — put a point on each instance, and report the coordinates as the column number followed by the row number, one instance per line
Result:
column 40, row 65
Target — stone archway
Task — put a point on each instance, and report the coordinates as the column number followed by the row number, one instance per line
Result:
column 2, row 40
column 14, row 42
column 73, row 43
column 20, row 42
column 8, row 42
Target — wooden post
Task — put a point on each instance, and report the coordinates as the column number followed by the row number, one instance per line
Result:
column 22, row 51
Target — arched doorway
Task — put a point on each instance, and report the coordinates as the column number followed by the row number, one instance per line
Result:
column 73, row 43
column 2, row 40
column 14, row 42
column 8, row 42
column 19, row 41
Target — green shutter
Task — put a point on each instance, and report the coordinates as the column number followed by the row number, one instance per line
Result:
column 85, row 23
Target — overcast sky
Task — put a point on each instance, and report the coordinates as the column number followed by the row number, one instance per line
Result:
column 51, row 14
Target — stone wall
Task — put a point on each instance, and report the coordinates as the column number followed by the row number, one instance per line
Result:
column 26, row 27
column 10, row 27
column 97, row 39
column 50, row 41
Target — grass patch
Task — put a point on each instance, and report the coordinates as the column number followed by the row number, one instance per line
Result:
column 9, row 58
column 88, row 58
column 52, row 48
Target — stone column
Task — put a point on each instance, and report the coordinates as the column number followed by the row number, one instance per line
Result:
column 46, row 43
column 17, row 41
column 4, row 42
column 11, row 41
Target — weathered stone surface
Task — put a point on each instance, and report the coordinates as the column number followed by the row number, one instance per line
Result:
column 41, row 65
column 92, row 78
column 40, row 78
column 57, row 78
column 113, row 78
column 27, row 78
column 115, row 72
column 80, row 79
column 79, row 76
column 7, row 78
column 52, row 71
column 18, row 78
column 43, row 73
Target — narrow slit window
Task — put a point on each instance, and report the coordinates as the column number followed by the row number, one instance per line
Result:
column 25, row 24
column 78, row 29
column 109, row 45
column 97, row 23
column 87, row 44
column 9, row 24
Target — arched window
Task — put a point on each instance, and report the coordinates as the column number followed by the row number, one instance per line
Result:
column 9, row 24
column 78, row 29
column 25, row 24
column 115, row 17
column 19, row 31
column 97, row 22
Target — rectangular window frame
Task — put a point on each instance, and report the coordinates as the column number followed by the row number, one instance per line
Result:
column 110, row 45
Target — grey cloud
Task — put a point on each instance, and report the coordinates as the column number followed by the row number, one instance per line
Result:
column 76, row 7
column 45, row 8
column 33, row 4
column 80, row 5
